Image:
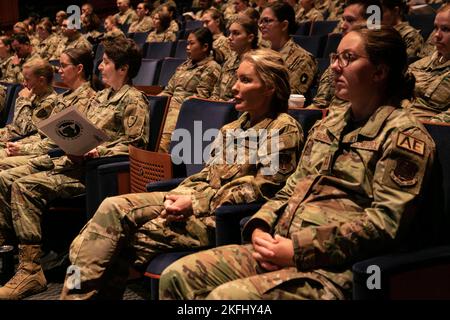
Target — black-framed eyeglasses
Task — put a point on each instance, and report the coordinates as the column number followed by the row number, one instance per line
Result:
column 64, row 65
column 344, row 58
column 266, row 21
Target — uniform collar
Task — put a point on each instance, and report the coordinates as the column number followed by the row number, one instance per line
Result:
column 116, row 96
column 191, row 65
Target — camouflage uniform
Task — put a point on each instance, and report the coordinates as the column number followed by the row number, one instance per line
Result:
column 127, row 17
column 174, row 27
column 325, row 97
column 144, row 25
column 336, row 9
column 189, row 80
column 301, row 65
column 166, row 36
column 217, row 184
column 221, row 47
column 432, row 88
column 78, row 42
column 113, row 34
column 311, row 15
column 428, row 47
column 412, row 38
column 47, row 47
column 4, row 65
column 13, row 72
column 322, row 5
column 123, row 117
column 222, row 89
column 2, row 97
column 28, row 112
column 344, row 203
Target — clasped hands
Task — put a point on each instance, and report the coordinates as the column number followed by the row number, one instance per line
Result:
column 272, row 253
column 177, row 207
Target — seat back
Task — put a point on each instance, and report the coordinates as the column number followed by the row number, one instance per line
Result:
column 7, row 114
column 195, row 119
column 168, row 68
column 423, row 22
column 331, row 45
column 147, row 73
column 140, row 37
column 306, row 117
column 303, row 28
column 323, row 27
column 180, row 49
column 158, row 50
column 312, row 44
column 158, row 110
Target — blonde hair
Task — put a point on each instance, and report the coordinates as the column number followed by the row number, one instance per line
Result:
column 40, row 67
column 273, row 71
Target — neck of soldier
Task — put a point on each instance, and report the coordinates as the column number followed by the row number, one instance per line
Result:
column 76, row 84
column 117, row 84
column 40, row 92
column 278, row 43
column 365, row 105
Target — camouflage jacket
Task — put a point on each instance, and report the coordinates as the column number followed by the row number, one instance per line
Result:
column 221, row 47
column 123, row 115
column 336, row 9
column 412, row 38
column 144, row 25
column 347, row 199
column 166, row 36
column 38, row 143
column 222, row 89
column 2, row 97
column 46, row 48
column 4, row 65
column 301, row 64
column 432, row 88
column 311, row 15
column 189, row 79
column 78, row 42
column 113, row 34
column 127, row 17
column 428, row 47
column 234, row 181
column 13, row 72
column 28, row 112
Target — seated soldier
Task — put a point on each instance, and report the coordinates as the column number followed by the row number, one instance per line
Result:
column 161, row 31
column 432, row 91
column 151, row 223
column 121, row 111
column 351, row 197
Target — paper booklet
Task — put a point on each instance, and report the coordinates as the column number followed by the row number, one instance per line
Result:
column 72, row 131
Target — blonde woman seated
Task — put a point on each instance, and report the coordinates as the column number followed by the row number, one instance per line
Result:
column 161, row 32
column 131, row 229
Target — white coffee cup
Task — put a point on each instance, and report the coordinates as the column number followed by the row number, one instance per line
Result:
column 296, row 101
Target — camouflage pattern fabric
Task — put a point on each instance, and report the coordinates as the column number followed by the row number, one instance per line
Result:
column 428, row 47
column 131, row 221
column 65, row 43
column 190, row 79
column 113, row 34
column 13, row 72
column 227, row 79
column 2, row 97
column 144, row 25
column 345, row 202
column 412, row 38
column 221, row 47
column 166, row 36
column 127, row 17
column 336, row 9
column 47, row 47
column 302, row 67
column 432, row 88
column 325, row 97
column 311, row 15
column 28, row 112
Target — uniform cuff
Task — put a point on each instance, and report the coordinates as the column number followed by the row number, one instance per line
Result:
column 303, row 241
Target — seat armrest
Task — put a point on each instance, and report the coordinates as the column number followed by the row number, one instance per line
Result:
column 421, row 274
column 165, row 185
column 228, row 218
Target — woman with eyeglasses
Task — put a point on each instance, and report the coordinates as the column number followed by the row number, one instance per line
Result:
column 355, row 188
column 277, row 23
column 432, row 74
column 243, row 38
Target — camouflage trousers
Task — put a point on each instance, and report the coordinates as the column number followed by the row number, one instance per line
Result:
column 231, row 273
column 25, row 191
column 169, row 125
column 126, row 230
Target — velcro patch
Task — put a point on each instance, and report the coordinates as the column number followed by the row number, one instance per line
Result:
column 304, row 78
column 411, row 144
column 131, row 121
column 405, row 173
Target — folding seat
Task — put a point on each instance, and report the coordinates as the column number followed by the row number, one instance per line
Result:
column 303, row 29
column 180, row 49
column 158, row 50
column 140, row 37
column 423, row 22
column 312, row 44
column 12, row 91
column 332, row 43
column 148, row 72
column 320, row 28
column 168, row 68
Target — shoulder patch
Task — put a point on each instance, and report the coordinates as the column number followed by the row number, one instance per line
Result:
column 404, row 173
column 411, row 144
column 131, row 121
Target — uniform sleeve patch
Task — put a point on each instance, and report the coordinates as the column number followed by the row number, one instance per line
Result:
column 411, row 144
column 404, row 173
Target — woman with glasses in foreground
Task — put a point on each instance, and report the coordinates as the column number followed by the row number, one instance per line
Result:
column 359, row 173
